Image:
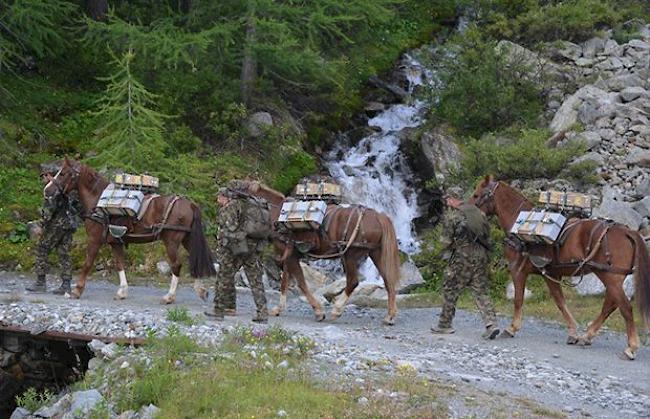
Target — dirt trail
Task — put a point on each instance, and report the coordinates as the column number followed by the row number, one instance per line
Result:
column 537, row 364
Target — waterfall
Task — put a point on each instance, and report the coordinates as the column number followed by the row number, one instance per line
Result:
column 375, row 173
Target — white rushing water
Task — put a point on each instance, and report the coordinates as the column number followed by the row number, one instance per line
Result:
column 374, row 172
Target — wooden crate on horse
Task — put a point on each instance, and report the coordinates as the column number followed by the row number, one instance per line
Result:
column 120, row 202
column 302, row 215
column 567, row 202
column 319, row 191
column 538, row 226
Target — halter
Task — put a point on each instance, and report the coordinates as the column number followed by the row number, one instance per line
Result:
column 485, row 196
column 63, row 188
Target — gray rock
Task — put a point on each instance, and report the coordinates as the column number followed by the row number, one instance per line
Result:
column 56, row 410
column 631, row 93
column 83, row 402
column 611, row 47
column 96, row 346
column 607, row 134
column 334, row 333
column 591, row 139
column 258, row 123
column 643, row 207
column 590, row 284
column 622, row 81
column 638, row 157
column 109, row 351
column 441, row 151
column 129, row 414
column 610, row 64
column 639, row 44
column 567, row 115
column 163, row 267
column 148, row 412
column 592, row 47
column 20, row 413
column 612, row 207
column 643, row 189
column 410, row 277
column 641, row 129
column 588, row 112
column 591, row 156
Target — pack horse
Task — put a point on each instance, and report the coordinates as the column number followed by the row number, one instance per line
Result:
column 171, row 219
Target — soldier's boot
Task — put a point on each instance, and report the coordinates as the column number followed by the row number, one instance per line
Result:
column 214, row 314
column 38, row 286
column 64, row 288
column 262, row 315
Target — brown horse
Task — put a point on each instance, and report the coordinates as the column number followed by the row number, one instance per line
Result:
column 610, row 250
column 172, row 219
column 352, row 234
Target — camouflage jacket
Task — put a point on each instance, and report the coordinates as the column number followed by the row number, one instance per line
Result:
column 61, row 211
column 465, row 227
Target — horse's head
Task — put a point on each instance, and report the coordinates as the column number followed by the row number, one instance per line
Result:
column 483, row 196
column 65, row 180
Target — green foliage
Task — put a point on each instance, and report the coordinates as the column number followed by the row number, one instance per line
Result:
column 531, row 21
column 32, row 27
column 584, row 173
column 131, row 137
column 429, row 260
column 525, row 157
column 482, row 91
column 33, row 400
column 181, row 315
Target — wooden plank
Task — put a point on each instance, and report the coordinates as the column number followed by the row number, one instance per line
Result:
column 66, row 336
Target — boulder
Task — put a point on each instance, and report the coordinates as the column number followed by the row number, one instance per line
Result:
column 612, row 207
column 643, row 189
column 631, row 93
column 83, row 402
column 148, row 412
column 567, row 115
column 592, row 47
column 620, row 82
column 592, row 156
column 638, row 157
column 410, row 277
column 56, row 410
column 591, row 139
column 314, row 277
column 258, row 123
column 567, row 50
column 639, row 45
column 441, row 152
column 20, row 413
column 590, row 284
column 643, row 207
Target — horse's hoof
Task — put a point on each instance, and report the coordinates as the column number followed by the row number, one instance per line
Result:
column 75, row 294
column 119, row 297
column 506, row 334
column 320, row 317
column 275, row 311
column 584, row 341
column 388, row 321
column 627, row 355
column 167, row 300
column 571, row 340
column 334, row 316
column 203, row 294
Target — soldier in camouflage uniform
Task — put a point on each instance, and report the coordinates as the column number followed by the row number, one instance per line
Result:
column 60, row 219
column 466, row 237
column 236, row 249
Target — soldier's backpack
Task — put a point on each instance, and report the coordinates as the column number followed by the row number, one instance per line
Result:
column 257, row 222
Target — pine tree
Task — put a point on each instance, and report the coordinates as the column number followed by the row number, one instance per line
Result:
column 131, row 136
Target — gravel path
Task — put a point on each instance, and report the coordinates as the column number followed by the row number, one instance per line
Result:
column 536, row 365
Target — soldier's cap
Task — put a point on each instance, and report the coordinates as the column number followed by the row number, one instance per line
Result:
column 454, row 192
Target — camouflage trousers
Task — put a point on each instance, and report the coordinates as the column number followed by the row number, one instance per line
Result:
column 225, row 294
column 467, row 269
column 58, row 239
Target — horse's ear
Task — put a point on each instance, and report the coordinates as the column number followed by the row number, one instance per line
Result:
column 66, row 162
column 486, row 180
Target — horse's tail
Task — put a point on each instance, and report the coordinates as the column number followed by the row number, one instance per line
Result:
column 642, row 278
column 201, row 262
column 389, row 251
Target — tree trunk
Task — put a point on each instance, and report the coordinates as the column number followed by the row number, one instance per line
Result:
column 249, row 64
column 97, row 9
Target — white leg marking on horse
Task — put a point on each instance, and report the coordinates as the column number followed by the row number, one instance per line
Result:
column 340, row 303
column 170, row 297
column 282, row 305
column 123, row 290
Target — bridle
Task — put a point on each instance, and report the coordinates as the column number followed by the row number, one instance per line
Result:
column 63, row 188
column 487, row 195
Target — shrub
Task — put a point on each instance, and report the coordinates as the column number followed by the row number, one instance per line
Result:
column 33, row 400
column 180, row 315
column 526, row 157
column 481, row 91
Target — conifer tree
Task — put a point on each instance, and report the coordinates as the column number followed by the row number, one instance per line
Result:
column 131, row 136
